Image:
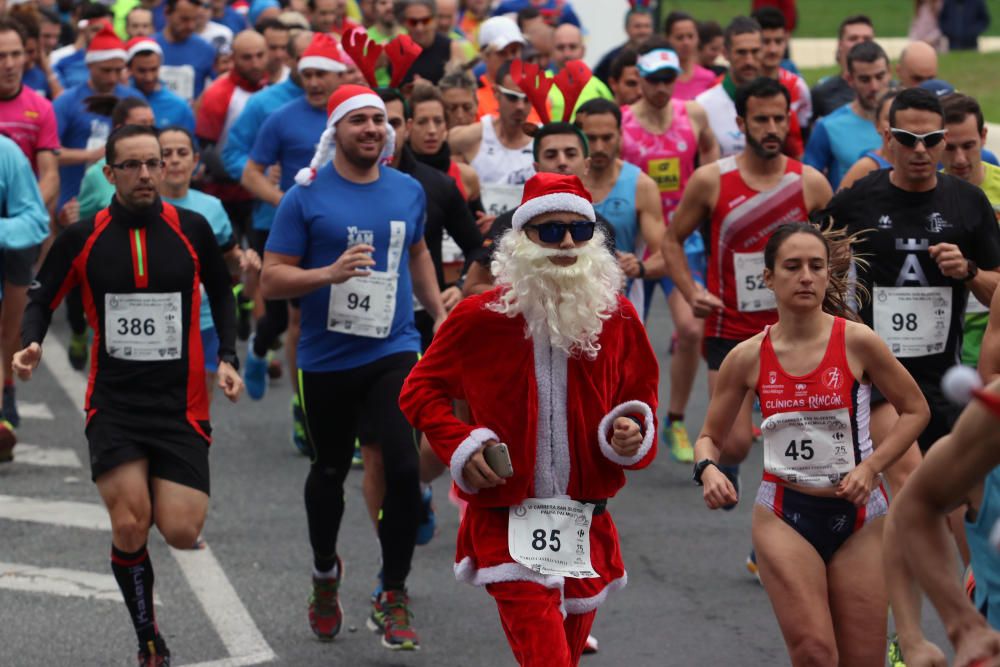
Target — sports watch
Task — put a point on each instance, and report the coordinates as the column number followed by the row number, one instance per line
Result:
column 699, row 469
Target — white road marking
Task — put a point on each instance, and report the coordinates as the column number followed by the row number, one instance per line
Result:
column 66, row 513
column 45, row 456
column 230, row 618
column 28, row 410
column 58, row 581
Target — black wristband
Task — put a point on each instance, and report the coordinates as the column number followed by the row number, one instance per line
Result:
column 642, row 270
column 231, row 359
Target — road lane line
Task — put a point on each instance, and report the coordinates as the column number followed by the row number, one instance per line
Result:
column 34, row 455
column 66, row 513
column 29, row 410
column 59, row 581
column 232, row 622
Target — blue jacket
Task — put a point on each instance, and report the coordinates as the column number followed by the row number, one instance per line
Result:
column 24, row 221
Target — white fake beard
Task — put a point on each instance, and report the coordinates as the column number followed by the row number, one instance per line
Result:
column 566, row 304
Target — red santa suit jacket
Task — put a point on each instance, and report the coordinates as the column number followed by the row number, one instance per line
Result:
column 555, row 414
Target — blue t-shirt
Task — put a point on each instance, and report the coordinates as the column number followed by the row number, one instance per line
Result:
column 244, row 131
column 72, row 70
column 838, row 141
column 186, row 65
column 24, row 220
column 79, row 128
column 619, row 209
column 160, row 16
column 35, row 79
column 170, row 109
column 212, row 210
column 318, row 224
column 289, row 137
column 233, row 20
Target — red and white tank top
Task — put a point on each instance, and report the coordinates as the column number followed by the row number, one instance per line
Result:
column 667, row 158
column 816, row 426
column 742, row 221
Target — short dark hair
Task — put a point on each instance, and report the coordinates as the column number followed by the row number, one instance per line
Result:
column 459, row 79
column 46, row 15
column 653, row 43
column 183, row 130
column 8, row 24
column 761, row 87
column 399, row 6
column 552, row 129
column 853, row 20
column 171, row 5
column 625, row 58
column 673, row 18
column 122, row 108
column 95, row 10
column 707, row 31
column 957, row 107
column 740, row 25
column 502, row 72
column 769, row 18
column 126, row 132
column 394, row 95
column 915, row 98
column 637, row 11
column 270, row 23
column 527, row 14
column 884, row 101
column 865, row 52
column 596, row 107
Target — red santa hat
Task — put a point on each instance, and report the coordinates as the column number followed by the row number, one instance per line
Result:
column 323, row 54
column 549, row 193
column 137, row 45
column 106, row 45
column 346, row 99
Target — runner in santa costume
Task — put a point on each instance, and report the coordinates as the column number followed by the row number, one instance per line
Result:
column 555, row 364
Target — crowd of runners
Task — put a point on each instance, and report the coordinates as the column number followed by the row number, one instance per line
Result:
column 454, row 231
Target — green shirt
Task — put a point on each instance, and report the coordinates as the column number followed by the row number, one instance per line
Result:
column 595, row 88
column 95, row 191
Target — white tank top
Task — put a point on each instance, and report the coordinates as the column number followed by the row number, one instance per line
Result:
column 721, row 112
column 497, row 164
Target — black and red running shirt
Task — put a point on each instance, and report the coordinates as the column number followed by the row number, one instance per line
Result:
column 166, row 251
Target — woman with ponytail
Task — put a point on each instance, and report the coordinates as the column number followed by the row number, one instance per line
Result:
column 817, row 518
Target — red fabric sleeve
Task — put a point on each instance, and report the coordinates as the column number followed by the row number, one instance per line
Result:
column 641, row 376
column 212, row 112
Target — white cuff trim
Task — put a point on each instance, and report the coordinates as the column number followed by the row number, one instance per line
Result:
column 465, row 451
column 467, row 572
column 584, row 605
column 627, row 408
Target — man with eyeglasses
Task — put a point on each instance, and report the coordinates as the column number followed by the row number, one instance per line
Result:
column 500, row 43
column 141, row 262
column 537, row 533
column 926, row 241
column 419, row 17
column 838, row 139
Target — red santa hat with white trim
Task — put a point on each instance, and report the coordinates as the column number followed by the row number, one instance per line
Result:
column 137, row 45
column 551, row 193
column 324, row 54
column 106, row 45
column 346, row 99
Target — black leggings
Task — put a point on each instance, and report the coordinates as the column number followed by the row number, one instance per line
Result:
column 338, row 405
column 274, row 321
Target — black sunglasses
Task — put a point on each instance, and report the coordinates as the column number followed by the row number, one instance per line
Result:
column 909, row 139
column 554, row 232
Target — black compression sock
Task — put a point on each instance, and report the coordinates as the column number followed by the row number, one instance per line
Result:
column 134, row 574
column 674, row 417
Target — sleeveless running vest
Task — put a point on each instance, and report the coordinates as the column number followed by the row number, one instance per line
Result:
column 497, row 164
column 619, row 208
column 983, row 556
column 816, row 425
column 742, row 221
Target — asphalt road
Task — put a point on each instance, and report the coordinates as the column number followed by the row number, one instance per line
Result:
column 243, row 601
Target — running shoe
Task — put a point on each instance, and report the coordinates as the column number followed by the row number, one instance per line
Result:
column 377, row 591
column 425, row 532
column 591, row 646
column 299, row 438
column 326, row 616
column 675, row 435
column 752, row 565
column 77, row 351
column 895, row 655
column 244, row 312
column 390, row 617
column 7, row 441
column 733, row 473
column 255, row 375
column 357, row 462
column 10, row 405
column 154, row 654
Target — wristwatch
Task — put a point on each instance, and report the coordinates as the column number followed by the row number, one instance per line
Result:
column 699, row 469
column 973, row 270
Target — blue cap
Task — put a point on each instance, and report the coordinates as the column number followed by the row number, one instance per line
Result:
column 937, row 86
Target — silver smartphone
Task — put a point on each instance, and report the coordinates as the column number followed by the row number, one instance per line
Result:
column 498, row 459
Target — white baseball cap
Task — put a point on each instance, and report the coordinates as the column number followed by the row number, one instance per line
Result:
column 499, row 32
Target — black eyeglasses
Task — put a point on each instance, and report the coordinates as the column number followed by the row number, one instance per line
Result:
column 136, row 165
column 909, row 139
column 554, row 232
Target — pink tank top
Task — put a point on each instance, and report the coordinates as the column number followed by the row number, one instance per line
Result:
column 667, row 158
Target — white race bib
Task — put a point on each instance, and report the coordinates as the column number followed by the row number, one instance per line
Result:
column 809, row 448
column 366, row 305
column 552, row 536
column 913, row 321
column 450, row 252
column 751, row 293
column 498, row 199
column 99, row 132
column 179, row 79
column 144, row 326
